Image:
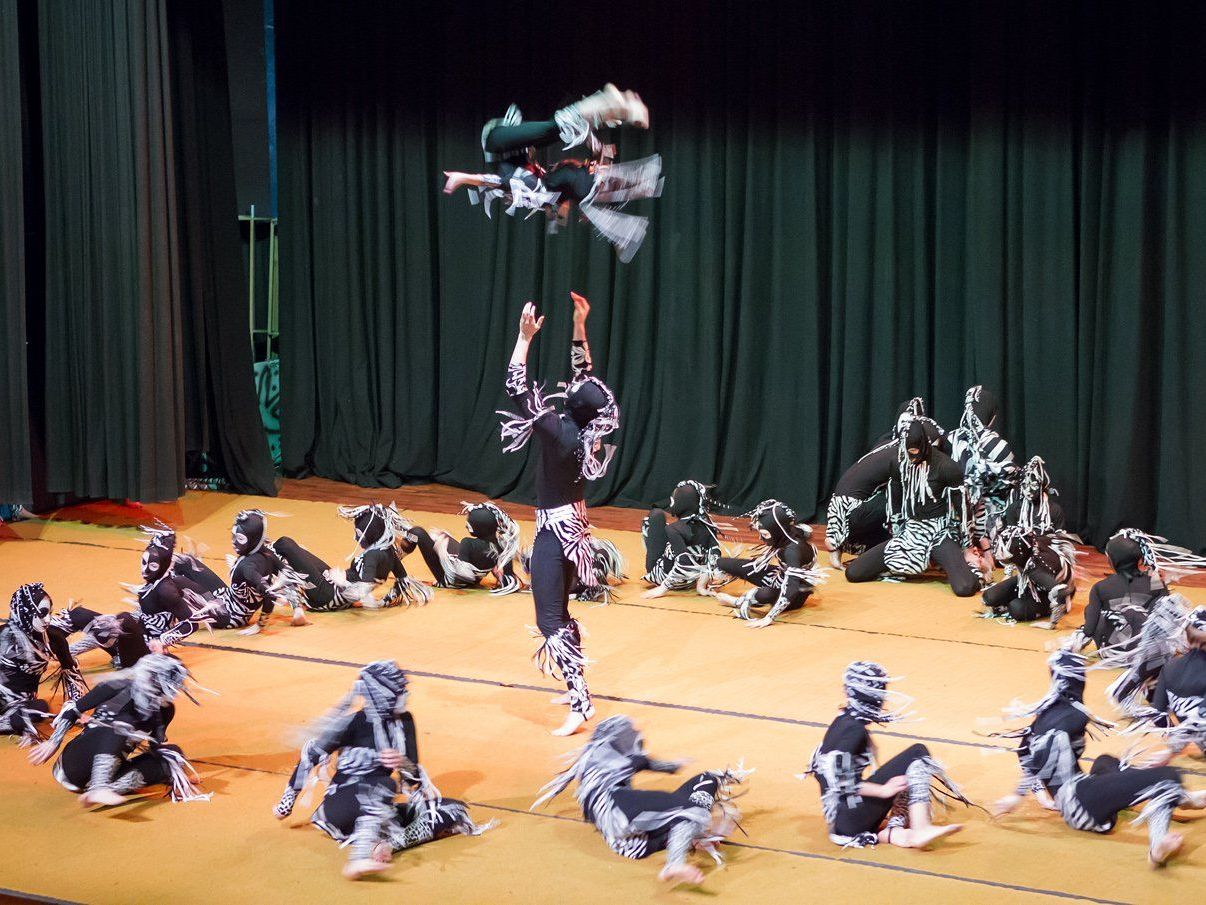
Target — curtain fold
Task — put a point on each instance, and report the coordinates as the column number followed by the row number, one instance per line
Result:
column 863, row 202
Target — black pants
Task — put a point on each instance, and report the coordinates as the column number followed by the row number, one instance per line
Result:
column 341, row 808
column 319, row 597
column 869, row 814
column 1109, row 789
column 636, row 801
column 79, row 754
column 746, row 570
column 199, row 573
column 946, row 554
column 1034, row 603
column 553, row 577
column 569, row 177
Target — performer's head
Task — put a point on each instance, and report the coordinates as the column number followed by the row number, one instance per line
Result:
column 979, row 408
column 866, row 688
column 1035, row 481
column 619, row 733
column 915, row 440
column 157, row 557
column 590, row 404
column 586, row 399
column 30, row 608
column 774, row 521
column 382, row 685
column 1195, row 627
column 482, row 521
column 1129, row 552
column 376, row 524
column 689, row 498
column 1067, row 669
column 249, row 530
column 157, row 679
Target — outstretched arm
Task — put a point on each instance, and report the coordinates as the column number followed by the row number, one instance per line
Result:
column 517, row 370
column 580, row 350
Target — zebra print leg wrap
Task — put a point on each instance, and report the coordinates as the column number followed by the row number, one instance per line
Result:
column 928, row 780
column 1162, row 799
column 678, row 843
column 284, row 807
column 104, row 768
column 908, row 553
column 128, row 782
column 561, row 656
column 837, row 520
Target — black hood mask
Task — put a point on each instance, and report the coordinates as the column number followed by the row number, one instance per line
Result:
column 248, row 533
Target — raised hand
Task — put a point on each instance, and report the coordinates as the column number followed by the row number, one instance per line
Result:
column 581, row 308
column 529, row 323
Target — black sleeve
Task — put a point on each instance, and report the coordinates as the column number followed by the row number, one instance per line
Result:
column 412, row 738
column 98, row 695
column 372, row 565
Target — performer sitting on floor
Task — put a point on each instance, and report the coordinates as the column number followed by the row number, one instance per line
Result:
column 893, row 804
column 784, row 570
column 1178, row 704
column 126, row 712
column 637, row 823
column 1120, row 603
column 1050, row 749
column 926, row 513
column 569, row 446
column 491, row 548
column 378, row 756
column 29, row 645
column 1043, row 576
column 678, row 552
column 381, row 536
column 260, row 577
column 598, row 186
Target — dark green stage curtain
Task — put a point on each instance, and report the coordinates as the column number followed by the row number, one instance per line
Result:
column 15, row 483
column 147, row 355
column 864, row 201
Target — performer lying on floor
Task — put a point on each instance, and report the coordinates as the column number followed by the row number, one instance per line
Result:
column 381, row 539
column 678, row 552
column 637, row 823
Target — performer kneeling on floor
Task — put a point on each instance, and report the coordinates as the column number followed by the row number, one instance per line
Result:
column 126, row 713
column 893, row 804
column 1050, row 749
column 567, row 457
column 927, row 514
column 637, row 823
column 678, row 552
column 784, row 570
column 491, row 548
column 378, row 754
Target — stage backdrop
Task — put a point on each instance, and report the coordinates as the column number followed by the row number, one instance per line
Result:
column 863, row 202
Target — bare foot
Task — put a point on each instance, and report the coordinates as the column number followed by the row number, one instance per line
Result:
column 383, row 853
column 1159, row 853
column 835, row 559
column 574, row 722
column 250, row 630
column 655, row 592
column 299, row 617
column 105, row 797
column 561, row 699
column 354, row 870
column 681, row 873
column 924, row 838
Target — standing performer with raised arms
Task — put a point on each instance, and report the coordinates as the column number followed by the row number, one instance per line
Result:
column 568, row 457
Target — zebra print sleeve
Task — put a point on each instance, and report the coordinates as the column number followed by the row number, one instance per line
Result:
column 580, row 360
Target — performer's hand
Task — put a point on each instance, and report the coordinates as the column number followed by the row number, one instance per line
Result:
column 581, row 308
column 391, row 758
column 41, row 753
column 760, row 623
column 1159, row 758
column 894, row 786
column 1005, row 805
column 155, row 646
column 529, row 324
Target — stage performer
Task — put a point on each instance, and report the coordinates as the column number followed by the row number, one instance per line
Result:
column 681, row 542
column 378, row 757
column 599, row 186
column 570, row 453
column 857, row 516
column 30, row 645
column 491, row 548
column 1042, row 582
column 637, row 823
column 127, row 712
column 783, row 570
column 893, row 805
column 1050, row 749
column 382, row 540
column 990, row 472
column 1119, row 604
column 1178, row 704
column 927, row 515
